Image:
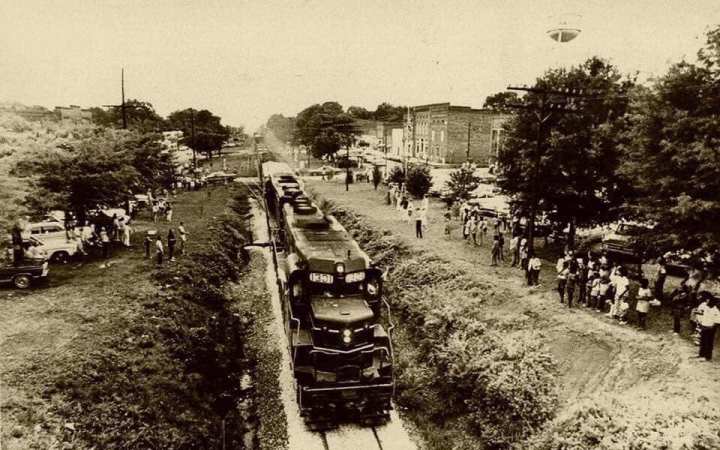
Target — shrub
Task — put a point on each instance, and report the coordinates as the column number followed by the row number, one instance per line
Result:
column 461, row 183
column 397, row 175
column 419, row 181
column 346, row 163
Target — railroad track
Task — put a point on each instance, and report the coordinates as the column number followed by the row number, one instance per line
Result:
column 390, row 436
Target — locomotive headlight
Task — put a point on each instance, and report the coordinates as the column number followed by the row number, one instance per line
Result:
column 355, row 277
column 340, row 268
column 347, row 336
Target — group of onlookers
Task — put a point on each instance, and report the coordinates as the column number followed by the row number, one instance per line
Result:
column 597, row 283
column 407, row 211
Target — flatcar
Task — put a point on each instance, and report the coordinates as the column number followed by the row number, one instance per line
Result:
column 332, row 296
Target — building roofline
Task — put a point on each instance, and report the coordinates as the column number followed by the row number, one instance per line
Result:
column 453, row 108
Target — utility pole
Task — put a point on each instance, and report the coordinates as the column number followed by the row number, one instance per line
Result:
column 468, row 146
column 192, row 134
column 122, row 105
column 543, row 109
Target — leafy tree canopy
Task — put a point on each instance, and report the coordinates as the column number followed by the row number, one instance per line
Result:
column 500, row 101
column 672, row 157
column 209, row 133
column 573, row 176
column 324, row 128
column 461, row 183
column 419, row 181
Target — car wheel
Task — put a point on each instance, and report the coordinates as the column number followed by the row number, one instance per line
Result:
column 21, row 281
column 60, row 257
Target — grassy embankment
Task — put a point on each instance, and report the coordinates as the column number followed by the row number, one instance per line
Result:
column 129, row 355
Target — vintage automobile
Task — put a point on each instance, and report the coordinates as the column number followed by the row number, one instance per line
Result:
column 23, row 274
column 624, row 241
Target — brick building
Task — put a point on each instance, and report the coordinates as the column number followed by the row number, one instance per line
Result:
column 447, row 134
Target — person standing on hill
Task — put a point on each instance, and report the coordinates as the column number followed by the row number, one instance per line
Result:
column 419, row 224
column 169, row 212
column 621, row 285
column 171, row 245
column 660, row 276
column 127, row 231
column 159, row 250
column 147, row 242
column 105, row 242
column 183, row 237
column 571, row 280
column 680, row 299
column 562, row 275
column 534, row 265
column 642, row 307
column 495, row 251
column 708, row 318
column 515, row 249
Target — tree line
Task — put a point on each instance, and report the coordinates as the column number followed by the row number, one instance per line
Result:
column 203, row 131
column 105, row 165
column 648, row 153
column 325, row 128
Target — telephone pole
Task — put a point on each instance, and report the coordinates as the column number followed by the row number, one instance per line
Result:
column 122, row 105
column 544, row 108
column 467, row 157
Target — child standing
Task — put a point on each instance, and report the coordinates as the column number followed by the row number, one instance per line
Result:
column 535, row 264
column 562, row 280
column 643, row 303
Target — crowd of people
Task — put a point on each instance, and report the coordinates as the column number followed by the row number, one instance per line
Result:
column 591, row 281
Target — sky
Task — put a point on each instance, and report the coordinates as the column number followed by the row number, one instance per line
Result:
column 247, row 59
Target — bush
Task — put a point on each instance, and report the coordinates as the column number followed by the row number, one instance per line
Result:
column 461, row 183
column 419, row 181
column 397, row 175
column 346, row 163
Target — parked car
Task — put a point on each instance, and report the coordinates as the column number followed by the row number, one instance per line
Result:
column 23, row 274
column 624, row 241
column 41, row 230
column 218, row 177
column 58, row 249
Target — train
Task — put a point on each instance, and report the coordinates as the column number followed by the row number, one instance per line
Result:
column 332, row 301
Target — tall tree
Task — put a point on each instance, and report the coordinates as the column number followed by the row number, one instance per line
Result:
column 500, row 101
column 672, row 155
column 202, row 130
column 324, row 129
column 572, row 175
column 358, row 112
column 141, row 116
column 386, row 112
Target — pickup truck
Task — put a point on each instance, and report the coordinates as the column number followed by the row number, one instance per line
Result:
column 624, row 242
column 23, row 274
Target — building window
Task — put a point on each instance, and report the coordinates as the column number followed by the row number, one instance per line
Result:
column 442, row 135
column 433, row 135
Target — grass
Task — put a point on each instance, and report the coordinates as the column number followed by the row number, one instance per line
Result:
column 114, row 354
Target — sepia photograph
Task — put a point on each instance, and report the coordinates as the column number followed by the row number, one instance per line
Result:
column 359, row 225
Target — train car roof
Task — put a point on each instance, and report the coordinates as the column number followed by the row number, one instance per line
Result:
column 322, row 241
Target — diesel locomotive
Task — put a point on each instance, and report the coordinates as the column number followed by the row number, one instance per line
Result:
column 331, row 294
